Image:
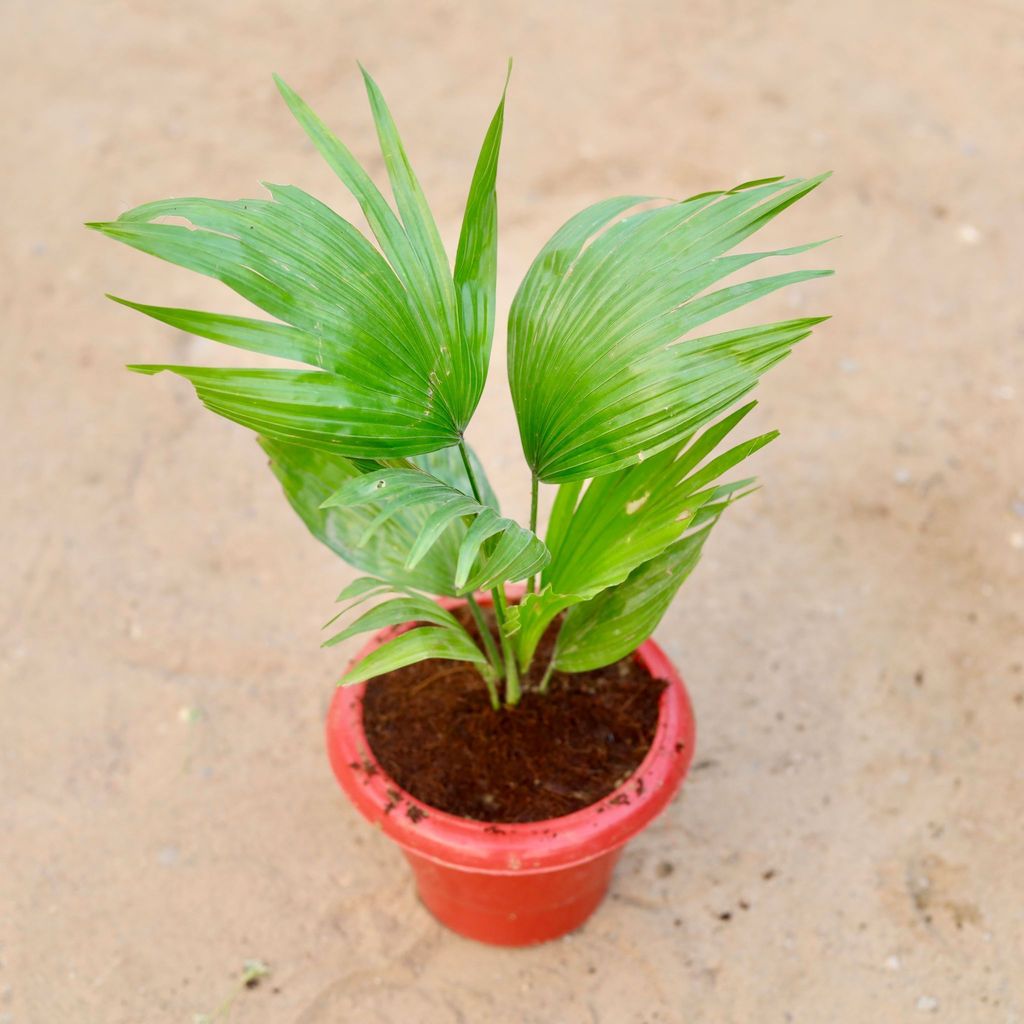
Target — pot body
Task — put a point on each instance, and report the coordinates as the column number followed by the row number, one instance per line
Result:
column 517, row 909
column 514, row 884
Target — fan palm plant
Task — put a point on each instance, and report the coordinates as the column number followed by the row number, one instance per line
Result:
column 624, row 398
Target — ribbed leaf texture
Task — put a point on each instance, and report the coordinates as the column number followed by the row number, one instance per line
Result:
column 602, row 363
column 491, row 551
column 444, row 637
column 600, row 536
column 615, row 623
column 398, row 344
column 310, row 476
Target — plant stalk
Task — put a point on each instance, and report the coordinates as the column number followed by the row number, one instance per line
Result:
column 491, row 648
column 513, row 691
column 531, row 583
column 469, row 471
column 546, row 679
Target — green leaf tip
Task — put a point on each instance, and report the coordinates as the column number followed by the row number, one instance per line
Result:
column 755, row 183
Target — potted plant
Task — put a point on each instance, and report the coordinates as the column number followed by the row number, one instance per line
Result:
column 510, row 724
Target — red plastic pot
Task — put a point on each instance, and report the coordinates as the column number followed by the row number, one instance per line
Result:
column 514, row 884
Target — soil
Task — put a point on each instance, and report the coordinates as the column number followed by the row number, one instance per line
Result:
column 433, row 730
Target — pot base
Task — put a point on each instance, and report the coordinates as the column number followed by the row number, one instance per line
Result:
column 548, row 904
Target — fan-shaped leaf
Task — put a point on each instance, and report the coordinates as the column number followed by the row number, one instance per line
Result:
column 309, row 477
column 613, row 624
column 415, row 645
column 515, row 554
column 625, row 518
column 608, row 310
column 599, row 536
column 397, row 612
column 401, row 346
column 476, row 260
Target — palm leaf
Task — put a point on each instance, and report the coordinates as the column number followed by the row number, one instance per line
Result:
column 403, row 608
column 444, row 638
column 513, row 552
column 599, row 535
column 476, row 260
column 608, row 305
column 315, row 409
column 310, row 476
column 417, row 644
column 614, row 623
column 528, row 620
column 399, row 346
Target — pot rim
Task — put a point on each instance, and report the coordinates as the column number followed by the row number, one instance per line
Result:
column 516, row 847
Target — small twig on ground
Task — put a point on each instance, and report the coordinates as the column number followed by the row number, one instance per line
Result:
column 252, row 972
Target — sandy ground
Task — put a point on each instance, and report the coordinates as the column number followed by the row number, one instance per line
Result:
column 849, row 846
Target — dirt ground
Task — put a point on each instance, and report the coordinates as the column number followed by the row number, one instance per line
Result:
column 849, row 845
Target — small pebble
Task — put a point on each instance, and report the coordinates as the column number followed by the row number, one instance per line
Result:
column 969, row 234
column 902, row 477
column 1017, row 505
column 849, row 365
column 168, row 856
column 1017, row 540
column 1004, row 392
column 927, row 1004
column 892, row 963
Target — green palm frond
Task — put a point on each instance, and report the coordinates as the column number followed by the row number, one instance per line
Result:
column 444, row 637
column 607, row 304
column 625, row 518
column 310, row 476
column 598, row 536
column 399, row 346
column 492, row 549
column 614, row 623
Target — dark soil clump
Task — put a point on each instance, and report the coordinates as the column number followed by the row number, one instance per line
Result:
column 432, row 728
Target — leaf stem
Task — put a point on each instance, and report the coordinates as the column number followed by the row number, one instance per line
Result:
column 493, row 654
column 513, row 692
column 531, row 583
column 546, row 679
column 469, row 471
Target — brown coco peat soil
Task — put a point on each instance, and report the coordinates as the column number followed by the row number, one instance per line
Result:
column 433, row 730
